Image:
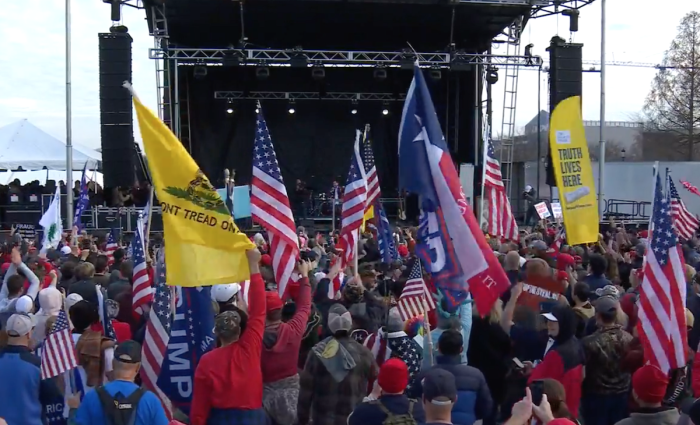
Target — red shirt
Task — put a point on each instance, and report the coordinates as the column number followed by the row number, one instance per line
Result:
column 231, row 377
column 280, row 360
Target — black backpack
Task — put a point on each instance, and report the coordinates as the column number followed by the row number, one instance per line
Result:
column 120, row 410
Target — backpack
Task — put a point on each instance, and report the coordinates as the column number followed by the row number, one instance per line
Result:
column 392, row 419
column 90, row 348
column 120, row 410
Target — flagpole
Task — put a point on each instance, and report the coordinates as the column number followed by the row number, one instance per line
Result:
column 69, row 128
column 355, row 248
column 483, row 181
column 148, row 225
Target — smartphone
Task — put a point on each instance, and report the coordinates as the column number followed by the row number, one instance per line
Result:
column 537, row 390
column 518, row 363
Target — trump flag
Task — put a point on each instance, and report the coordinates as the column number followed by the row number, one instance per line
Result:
column 450, row 242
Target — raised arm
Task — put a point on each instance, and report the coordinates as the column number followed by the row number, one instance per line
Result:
column 303, row 302
column 252, row 337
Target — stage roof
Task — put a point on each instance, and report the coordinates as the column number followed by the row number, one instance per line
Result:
column 350, row 25
column 24, row 145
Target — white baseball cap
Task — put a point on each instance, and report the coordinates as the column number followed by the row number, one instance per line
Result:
column 65, row 250
column 19, row 325
column 550, row 317
column 223, row 293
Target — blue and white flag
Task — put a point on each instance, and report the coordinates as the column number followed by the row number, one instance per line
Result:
column 83, row 200
column 191, row 336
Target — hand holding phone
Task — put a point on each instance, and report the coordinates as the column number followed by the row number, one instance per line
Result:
column 537, row 390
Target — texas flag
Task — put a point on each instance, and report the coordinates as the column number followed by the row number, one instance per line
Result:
column 451, row 244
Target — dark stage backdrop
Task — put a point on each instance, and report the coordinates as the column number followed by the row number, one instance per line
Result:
column 314, row 144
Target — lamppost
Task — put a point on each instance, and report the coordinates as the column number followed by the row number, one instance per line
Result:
column 622, row 154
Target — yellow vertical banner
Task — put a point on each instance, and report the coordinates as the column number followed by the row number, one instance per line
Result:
column 574, row 175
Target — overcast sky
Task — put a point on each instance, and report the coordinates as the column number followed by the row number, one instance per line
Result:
column 32, row 80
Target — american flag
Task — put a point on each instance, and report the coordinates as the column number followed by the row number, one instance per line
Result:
column 384, row 346
column 270, row 206
column 685, row 223
column 662, row 326
column 354, row 202
column 500, row 220
column 83, row 200
column 155, row 342
column 58, row 352
column 111, row 246
column 559, row 239
column 415, row 295
column 141, row 290
column 105, row 320
column 373, row 190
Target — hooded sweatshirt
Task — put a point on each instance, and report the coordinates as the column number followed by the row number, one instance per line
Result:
column 281, row 344
column 564, row 361
column 51, row 302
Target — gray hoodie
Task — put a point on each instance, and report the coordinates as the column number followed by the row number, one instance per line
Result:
column 668, row 416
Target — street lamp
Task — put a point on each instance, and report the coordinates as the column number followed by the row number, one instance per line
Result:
column 622, row 154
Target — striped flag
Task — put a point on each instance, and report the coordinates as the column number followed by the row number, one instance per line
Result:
column 415, row 295
column 111, row 246
column 354, row 202
column 141, row 289
column 500, row 220
column 662, row 326
column 559, row 240
column 270, row 206
column 684, row 222
column 58, row 352
column 105, row 319
column 155, row 343
column 373, row 190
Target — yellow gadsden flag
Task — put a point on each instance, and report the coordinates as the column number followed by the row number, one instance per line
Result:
column 204, row 246
column 572, row 168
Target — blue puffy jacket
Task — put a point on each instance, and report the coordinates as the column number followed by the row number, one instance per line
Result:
column 474, row 400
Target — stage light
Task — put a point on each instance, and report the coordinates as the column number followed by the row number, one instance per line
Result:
column 408, row 59
column 353, row 111
column 297, row 58
column 229, row 111
column 460, row 62
column 385, row 111
column 492, row 75
column 262, row 72
column 200, row 72
column 257, row 110
column 435, row 73
column 291, row 110
column 232, row 57
column 317, row 72
column 573, row 18
column 380, row 73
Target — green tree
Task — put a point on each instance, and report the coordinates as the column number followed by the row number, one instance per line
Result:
column 673, row 104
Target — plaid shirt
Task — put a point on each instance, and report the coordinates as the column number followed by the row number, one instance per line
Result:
column 334, row 401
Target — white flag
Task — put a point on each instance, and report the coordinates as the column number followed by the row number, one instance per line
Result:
column 51, row 222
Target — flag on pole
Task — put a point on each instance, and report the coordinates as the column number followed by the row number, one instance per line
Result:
column 83, row 200
column 103, row 311
column 415, row 295
column 205, row 246
column 144, row 217
column 684, row 222
column 155, row 342
column 51, row 222
column 452, row 245
column 373, row 189
column 142, row 290
column 559, row 240
column 385, row 237
column 354, row 202
column 662, row 328
column 58, row 352
column 270, row 206
column 500, row 219
column 111, row 246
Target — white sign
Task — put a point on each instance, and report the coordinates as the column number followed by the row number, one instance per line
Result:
column 563, row 137
column 556, row 210
column 542, row 210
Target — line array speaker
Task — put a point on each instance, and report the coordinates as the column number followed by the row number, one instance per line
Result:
column 116, row 112
column 565, row 80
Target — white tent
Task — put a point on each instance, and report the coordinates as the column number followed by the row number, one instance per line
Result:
column 24, row 145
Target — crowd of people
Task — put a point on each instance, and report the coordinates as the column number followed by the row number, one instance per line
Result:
column 560, row 347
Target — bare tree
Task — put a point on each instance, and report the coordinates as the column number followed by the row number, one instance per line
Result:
column 673, row 105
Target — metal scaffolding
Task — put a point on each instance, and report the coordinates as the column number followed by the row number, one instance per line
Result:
column 274, row 57
column 278, row 95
